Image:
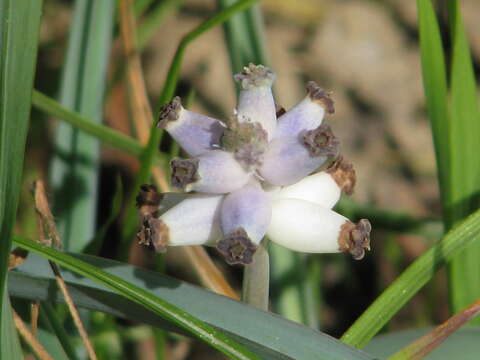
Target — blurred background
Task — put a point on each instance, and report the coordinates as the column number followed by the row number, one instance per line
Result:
column 366, row 53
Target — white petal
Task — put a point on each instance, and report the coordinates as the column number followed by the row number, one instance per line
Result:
column 318, row 188
column 305, row 226
column 194, row 221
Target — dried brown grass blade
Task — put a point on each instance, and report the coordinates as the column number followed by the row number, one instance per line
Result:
column 30, row 339
column 427, row 343
column 207, row 272
column 48, row 235
column 34, row 312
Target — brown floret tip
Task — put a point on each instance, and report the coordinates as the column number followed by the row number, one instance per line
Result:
column 153, row 233
column 254, row 76
column 321, row 141
column 317, row 94
column 237, row 248
column 148, row 200
column 169, row 112
column 344, row 175
column 355, row 238
column 184, row 172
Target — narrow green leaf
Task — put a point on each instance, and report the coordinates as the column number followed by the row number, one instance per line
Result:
column 244, row 37
column 141, row 296
column 19, row 26
column 49, row 318
column 270, row 336
column 464, row 271
column 103, row 133
column 411, row 280
column 74, row 172
column 435, row 87
column 11, row 348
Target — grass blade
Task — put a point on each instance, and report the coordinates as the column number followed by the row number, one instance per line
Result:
column 245, row 37
column 103, row 133
column 50, row 319
column 429, row 342
column 10, row 343
column 271, row 337
column 19, row 27
column 74, row 172
column 464, row 271
column 134, row 293
column 412, row 280
column 435, row 87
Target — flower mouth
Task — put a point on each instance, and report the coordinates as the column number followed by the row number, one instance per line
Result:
column 184, row 172
column 237, row 248
column 254, row 76
column 344, row 175
column 319, row 95
column 153, row 233
column 169, row 112
column 321, row 141
column 355, row 238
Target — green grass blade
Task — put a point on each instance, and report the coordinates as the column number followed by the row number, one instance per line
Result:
column 270, row 336
column 50, row 319
column 205, row 332
column 168, row 91
column 103, row 133
column 435, row 87
column 412, row 280
column 74, row 172
column 11, row 348
column 19, row 28
column 464, row 271
column 244, row 37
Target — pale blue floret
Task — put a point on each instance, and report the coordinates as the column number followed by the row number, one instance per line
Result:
column 195, row 133
column 250, row 208
column 287, row 161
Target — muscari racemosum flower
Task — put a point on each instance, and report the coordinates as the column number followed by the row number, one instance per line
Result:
column 260, row 173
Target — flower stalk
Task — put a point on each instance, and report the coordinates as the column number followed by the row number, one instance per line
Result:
column 256, row 278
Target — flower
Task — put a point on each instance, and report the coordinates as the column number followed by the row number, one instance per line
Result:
column 259, row 173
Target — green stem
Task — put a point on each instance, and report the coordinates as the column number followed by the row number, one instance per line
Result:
column 256, row 278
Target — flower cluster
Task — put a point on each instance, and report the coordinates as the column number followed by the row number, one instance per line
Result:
column 262, row 172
